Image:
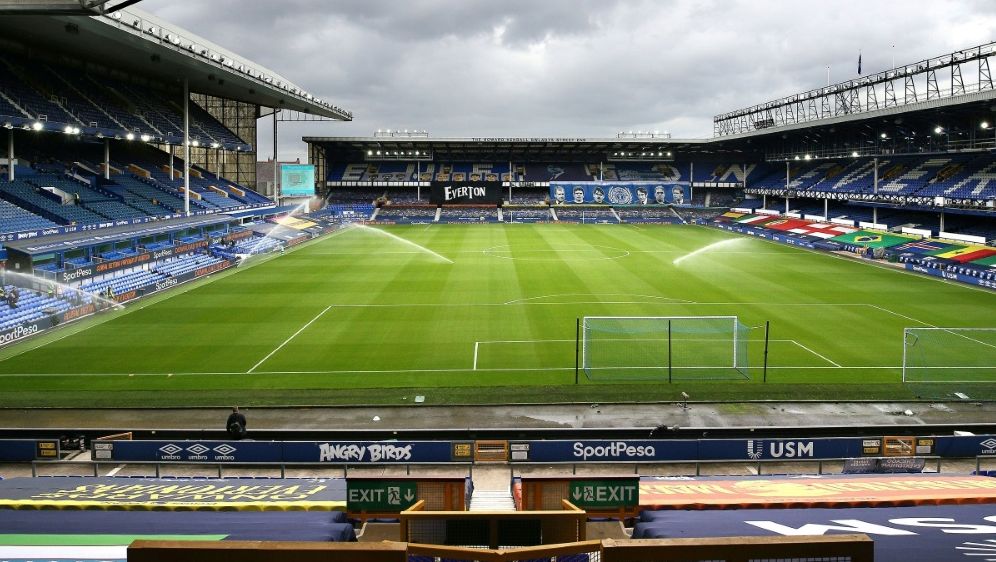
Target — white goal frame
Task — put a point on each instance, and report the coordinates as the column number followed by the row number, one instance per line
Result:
column 735, row 335
column 910, row 334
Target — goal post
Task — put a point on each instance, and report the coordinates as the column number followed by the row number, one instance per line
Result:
column 663, row 348
column 949, row 355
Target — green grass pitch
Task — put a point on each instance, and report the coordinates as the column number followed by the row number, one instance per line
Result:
column 486, row 314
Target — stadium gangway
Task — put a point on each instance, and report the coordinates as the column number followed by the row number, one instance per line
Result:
column 219, row 467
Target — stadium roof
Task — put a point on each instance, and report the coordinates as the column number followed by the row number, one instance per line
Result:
column 137, row 42
column 965, row 122
column 518, row 148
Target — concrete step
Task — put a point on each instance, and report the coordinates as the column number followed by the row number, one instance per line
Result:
column 492, row 500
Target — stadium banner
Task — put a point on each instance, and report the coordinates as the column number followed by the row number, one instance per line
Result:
column 27, row 329
column 339, row 452
column 192, row 246
column 652, row 220
column 192, row 451
column 620, row 193
column 373, row 452
column 456, row 193
column 952, row 276
column 27, row 450
column 555, row 451
column 635, row 450
column 235, row 236
column 88, row 271
column 683, row 450
column 766, row 235
column 770, row 449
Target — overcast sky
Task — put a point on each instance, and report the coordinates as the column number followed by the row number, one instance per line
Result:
column 566, row 68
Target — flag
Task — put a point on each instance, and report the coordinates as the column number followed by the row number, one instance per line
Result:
column 757, row 219
column 967, row 254
column 786, row 224
column 927, row 247
column 870, row 239
column 859, row 63
column 990, row 261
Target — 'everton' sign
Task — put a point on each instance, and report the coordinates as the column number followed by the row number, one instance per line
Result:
column 466, row 193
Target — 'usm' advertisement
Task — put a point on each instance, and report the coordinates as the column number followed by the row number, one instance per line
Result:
column 620, row 193
column 466, row 193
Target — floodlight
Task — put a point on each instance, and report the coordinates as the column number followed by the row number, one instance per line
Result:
column 938, row 130
column 68, row 130
column 808, row 157
column 854, row 154
column 669, row 154
column 984, row 124
column 883, row 135
column 215, row 145
column 130, row 136
column 146, row 138
column 195, row 143
column 37, row 125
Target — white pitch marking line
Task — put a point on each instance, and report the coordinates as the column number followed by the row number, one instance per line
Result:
column 115, row 470
column 823, row 357
column 910, row 318
column 279, row 347
column 476, row 344
column 404, row 371
column 523, row 301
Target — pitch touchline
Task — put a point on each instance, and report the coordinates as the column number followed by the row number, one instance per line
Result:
column 279, row 347
column 403, row 371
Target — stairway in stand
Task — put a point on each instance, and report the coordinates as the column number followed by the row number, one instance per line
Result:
column 492, row 489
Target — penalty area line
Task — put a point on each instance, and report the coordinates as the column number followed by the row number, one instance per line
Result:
column 823, row 357
column 288, row 340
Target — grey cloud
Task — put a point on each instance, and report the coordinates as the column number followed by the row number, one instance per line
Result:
column 567, row 67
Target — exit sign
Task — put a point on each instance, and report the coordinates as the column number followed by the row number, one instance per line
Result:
column 380, row 495
column 605, row 493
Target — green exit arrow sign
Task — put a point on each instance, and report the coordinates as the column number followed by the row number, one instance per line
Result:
column 380, row 495
column 604, row 494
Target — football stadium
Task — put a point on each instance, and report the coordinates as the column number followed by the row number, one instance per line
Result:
column 775, row 340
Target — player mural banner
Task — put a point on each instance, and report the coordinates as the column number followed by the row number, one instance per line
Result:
column 620, row 193
column 466, row 193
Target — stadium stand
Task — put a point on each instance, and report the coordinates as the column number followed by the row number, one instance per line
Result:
column 66, row 96
column 16, row 219
column 30, row 306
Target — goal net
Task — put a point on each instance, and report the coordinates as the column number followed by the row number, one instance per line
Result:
column 949, row 354
column 664, row 347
